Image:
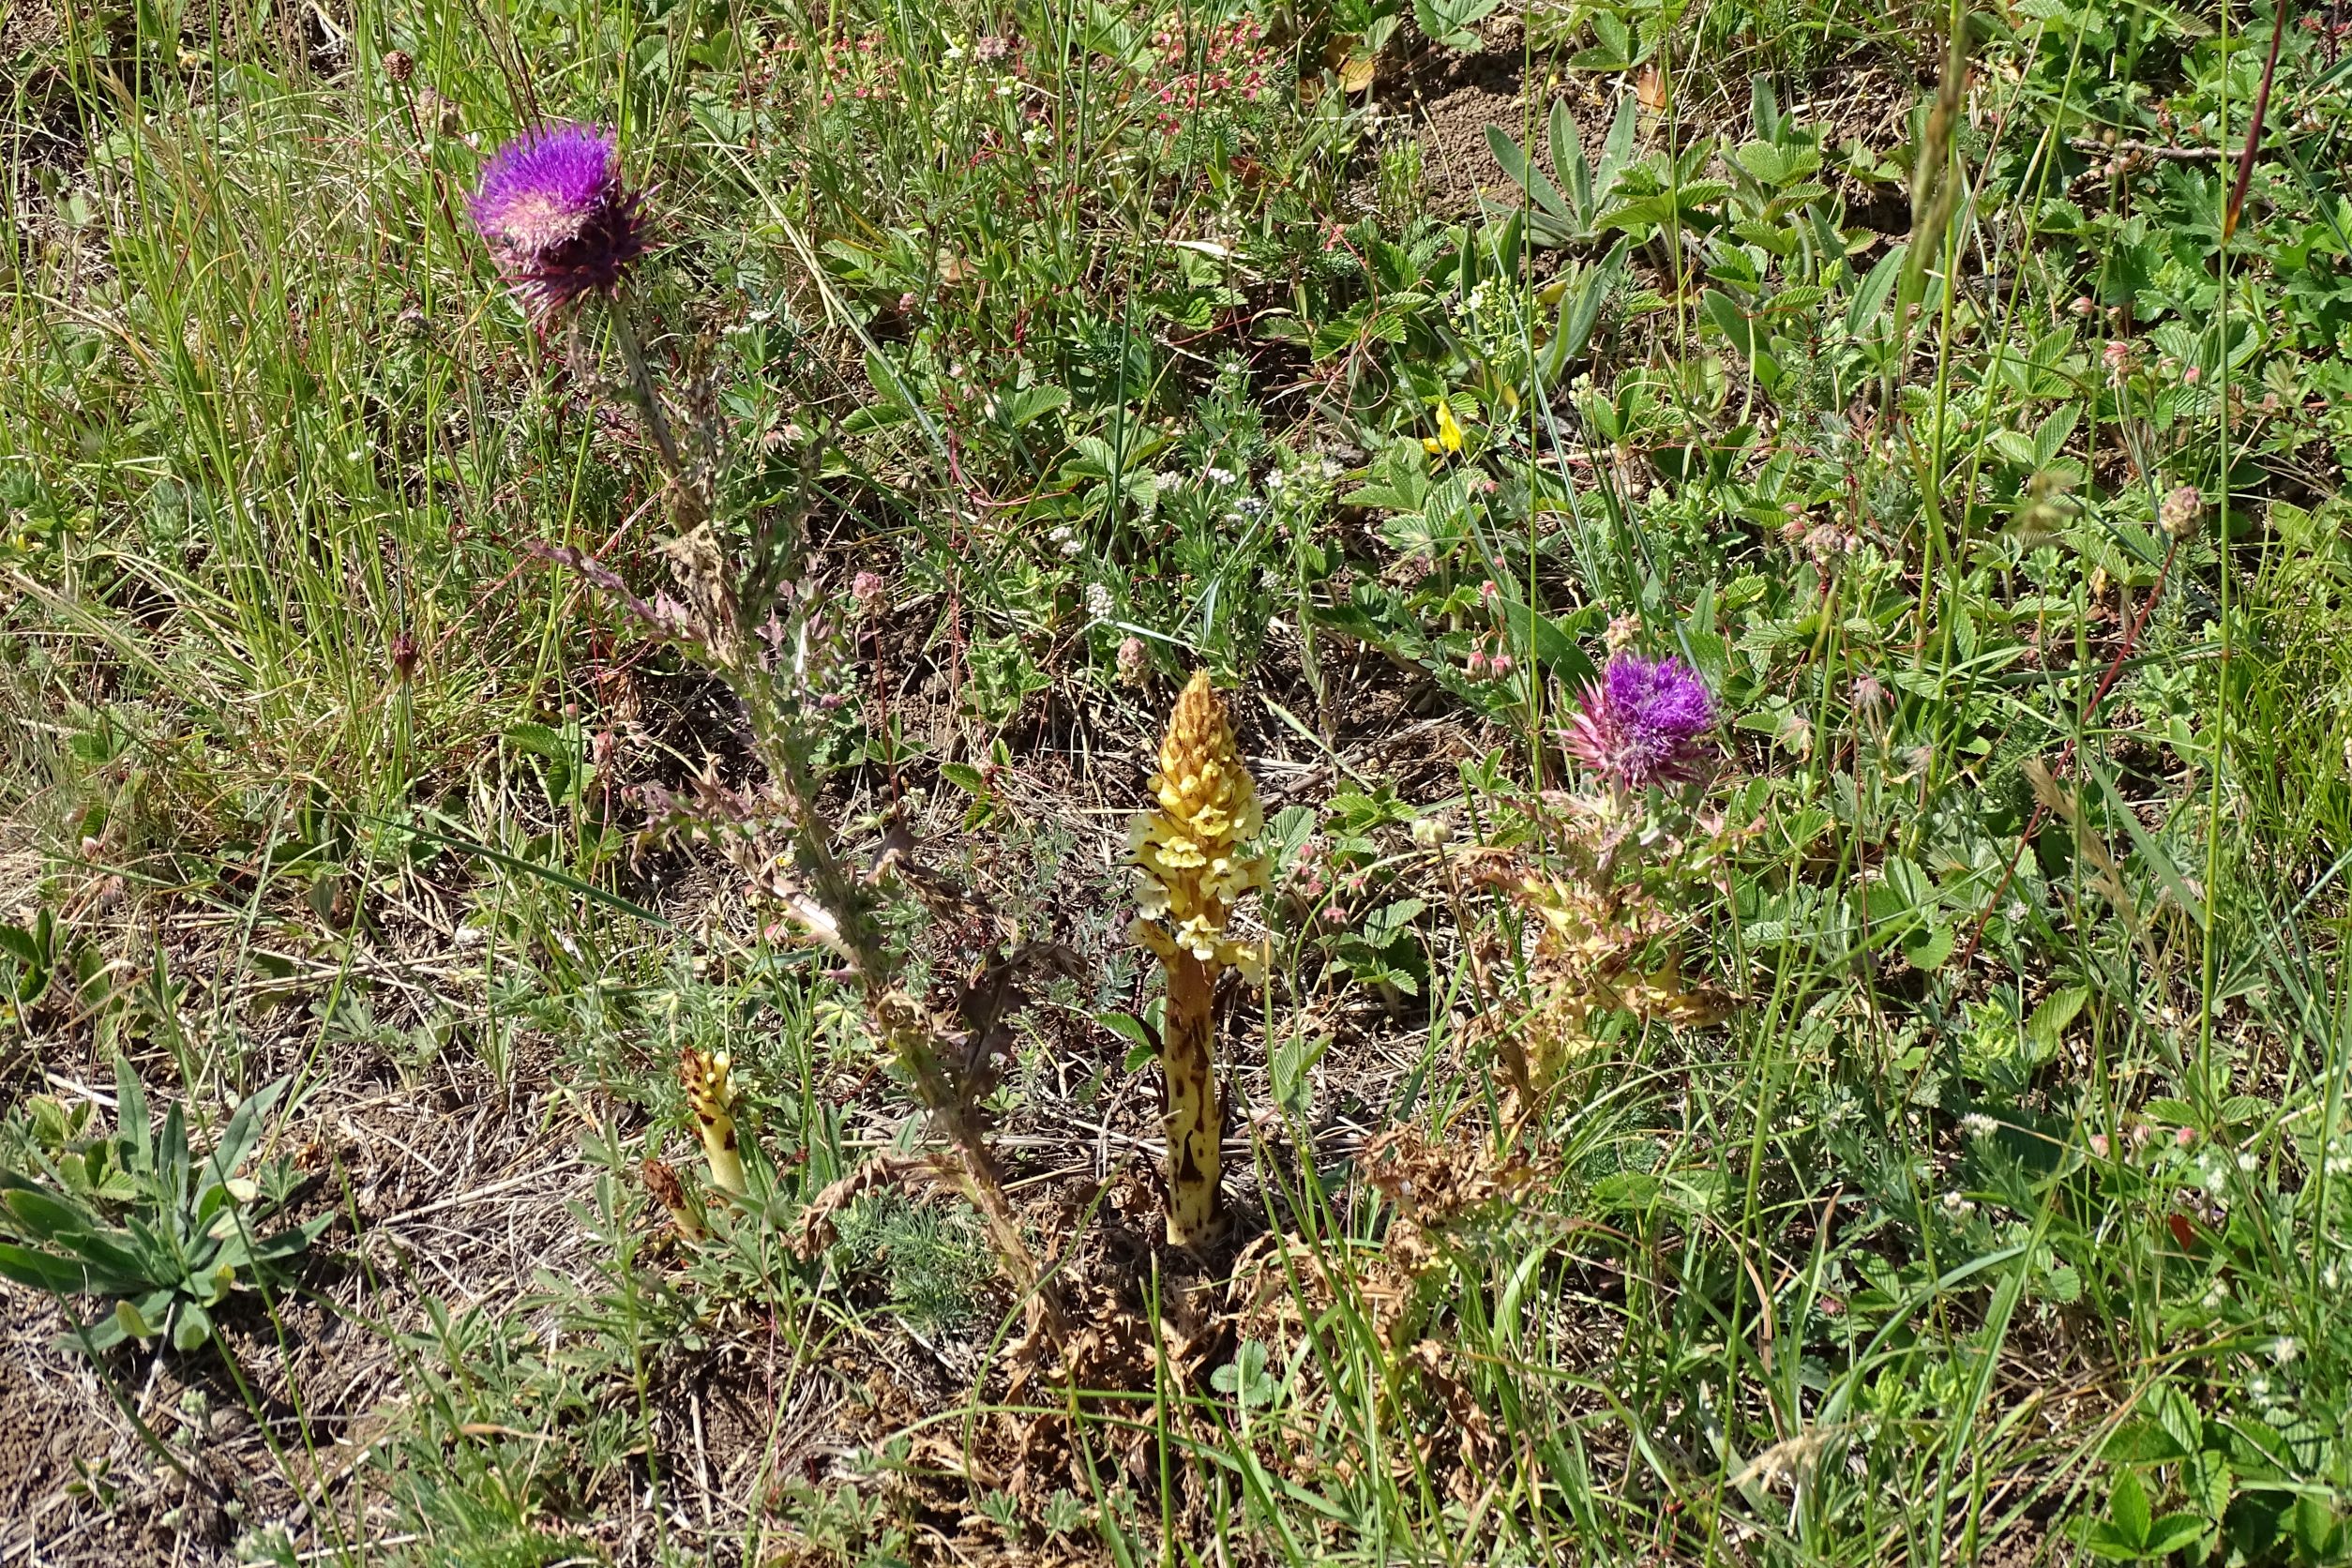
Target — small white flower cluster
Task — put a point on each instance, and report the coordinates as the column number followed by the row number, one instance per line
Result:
column 1064, row 539
column 1098, row 601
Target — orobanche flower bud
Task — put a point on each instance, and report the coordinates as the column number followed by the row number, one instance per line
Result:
column 703, row 1076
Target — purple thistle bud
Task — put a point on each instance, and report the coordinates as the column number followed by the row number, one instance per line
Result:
column 556, row 215
column 1643, row 722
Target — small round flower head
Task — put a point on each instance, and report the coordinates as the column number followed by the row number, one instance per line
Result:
column 556, row 215
column 1643, row 722
column 2181, row 510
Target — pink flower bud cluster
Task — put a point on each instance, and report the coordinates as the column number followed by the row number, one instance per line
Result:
column 1234, row 61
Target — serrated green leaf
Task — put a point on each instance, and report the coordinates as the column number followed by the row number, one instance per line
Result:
column 2127, row 1509
column 1928, row 947
column 1026, row 405
column 1127, row 1027
column 2142, row 1441
column 2048, row 1024
column 2015, row 447
column 2175, row 1532
column 1382, row 923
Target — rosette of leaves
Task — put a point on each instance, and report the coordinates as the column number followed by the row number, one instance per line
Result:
column 136, row 1216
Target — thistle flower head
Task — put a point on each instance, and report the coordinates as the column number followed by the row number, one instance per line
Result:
column 1195, row 869
column 556, row 215
column 1644, row 721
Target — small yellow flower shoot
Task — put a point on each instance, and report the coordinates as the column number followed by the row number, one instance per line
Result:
column 703, row 1075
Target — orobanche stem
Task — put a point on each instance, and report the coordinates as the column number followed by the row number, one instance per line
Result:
column 1194, row 871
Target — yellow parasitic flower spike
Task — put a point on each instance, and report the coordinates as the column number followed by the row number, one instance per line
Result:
column 1194, row 868
column 703, row 1075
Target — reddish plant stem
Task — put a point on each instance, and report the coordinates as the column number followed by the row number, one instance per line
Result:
column 2253, row 130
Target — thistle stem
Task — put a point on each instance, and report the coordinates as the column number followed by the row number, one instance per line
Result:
column 640, row 390
column 843, row 906
column 958, row 1123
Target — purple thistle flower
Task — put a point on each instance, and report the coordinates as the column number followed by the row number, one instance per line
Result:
column 1643, row 722
column 556, row 216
